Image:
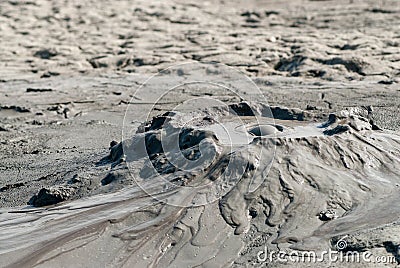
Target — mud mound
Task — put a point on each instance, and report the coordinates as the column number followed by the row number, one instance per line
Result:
column 223, row 183
column 325, row 179
column 51, row 196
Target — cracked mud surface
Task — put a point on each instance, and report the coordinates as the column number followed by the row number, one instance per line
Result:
column 69, row 71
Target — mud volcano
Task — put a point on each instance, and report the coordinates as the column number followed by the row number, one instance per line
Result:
column 214, row 187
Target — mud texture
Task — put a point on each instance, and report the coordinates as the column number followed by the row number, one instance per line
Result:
column 312, row 163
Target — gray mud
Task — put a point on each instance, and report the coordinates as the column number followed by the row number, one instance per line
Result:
column 199, row 200
column 315, row 165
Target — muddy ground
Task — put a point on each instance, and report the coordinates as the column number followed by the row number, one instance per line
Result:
column 69, row 70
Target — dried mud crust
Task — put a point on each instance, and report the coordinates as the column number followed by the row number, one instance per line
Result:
column 68, row 70
column 337, row 40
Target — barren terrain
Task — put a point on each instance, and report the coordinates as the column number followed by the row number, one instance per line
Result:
column 71, row 83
